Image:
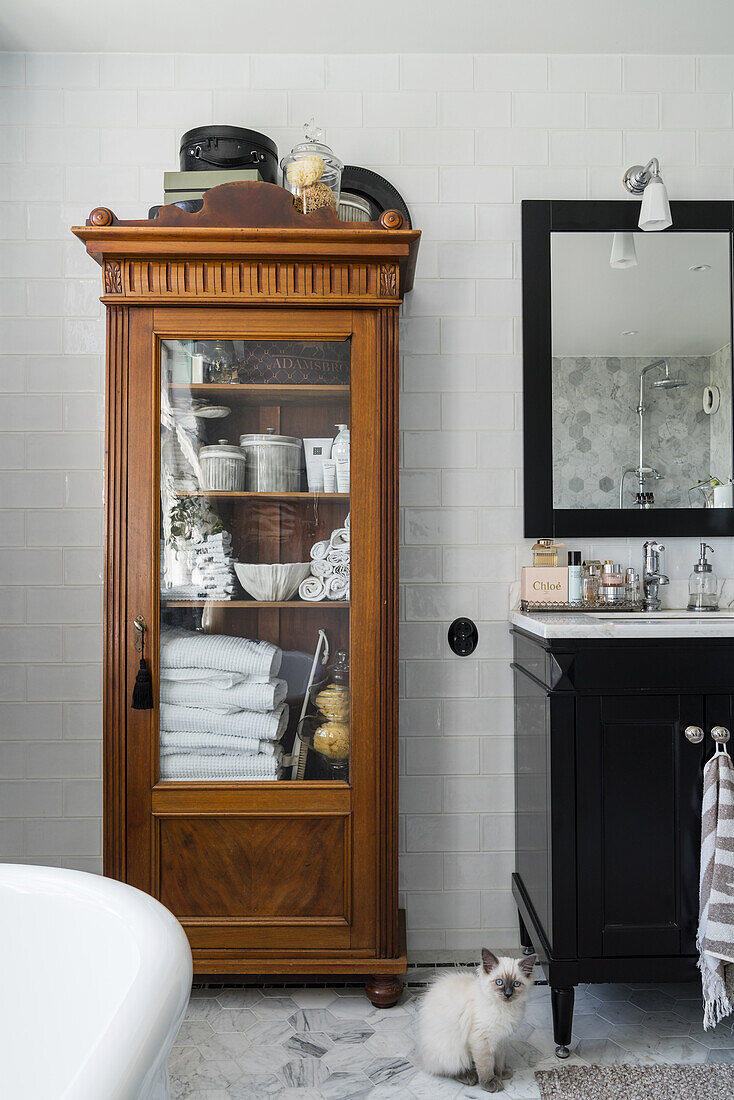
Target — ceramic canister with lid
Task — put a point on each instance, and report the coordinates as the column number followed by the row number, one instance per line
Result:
column 222, row 467
column 273, row 462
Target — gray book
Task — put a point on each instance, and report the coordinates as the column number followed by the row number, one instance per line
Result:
column 202, row 181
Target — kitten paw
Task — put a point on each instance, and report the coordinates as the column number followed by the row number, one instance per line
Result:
column 506, row 1073
column 492, row 1084
column 468, row 1077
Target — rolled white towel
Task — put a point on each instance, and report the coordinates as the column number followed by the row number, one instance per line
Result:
column 192, row 693
column 339, row 539
column 341, row 569
column 319, row 549
column 246, row 723
column 312, row 589
column 320, row 567
column 340, row 555
column 208, row 744
column 188, row 648
column 188, row 766
column 347, row 521
column 337, row 588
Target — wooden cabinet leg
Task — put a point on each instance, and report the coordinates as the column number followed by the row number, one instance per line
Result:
column 562, row 1007
column 383, row 990
column 525, row 942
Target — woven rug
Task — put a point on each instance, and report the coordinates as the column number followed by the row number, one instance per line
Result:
column 714, row 1082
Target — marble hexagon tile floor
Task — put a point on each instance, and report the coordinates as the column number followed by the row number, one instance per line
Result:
column 316, row 1043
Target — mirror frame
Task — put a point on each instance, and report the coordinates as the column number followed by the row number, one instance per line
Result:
column 540, row 218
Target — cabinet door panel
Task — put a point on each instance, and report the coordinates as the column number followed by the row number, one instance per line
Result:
column 251, row 866
column 639, row 797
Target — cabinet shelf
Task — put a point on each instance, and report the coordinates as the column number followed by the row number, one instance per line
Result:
column 221, row 494
column 261, row 394
column 255, row 603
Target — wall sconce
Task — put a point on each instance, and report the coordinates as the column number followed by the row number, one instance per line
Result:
column 623, row 252
column 655, row 208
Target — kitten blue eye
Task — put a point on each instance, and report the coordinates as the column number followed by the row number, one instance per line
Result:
column 499, row 981
column 517, row 983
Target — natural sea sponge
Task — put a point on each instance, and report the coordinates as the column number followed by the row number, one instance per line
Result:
column 305, row 171
column 315, row 197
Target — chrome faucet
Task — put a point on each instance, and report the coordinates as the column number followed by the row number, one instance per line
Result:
column 652, row 578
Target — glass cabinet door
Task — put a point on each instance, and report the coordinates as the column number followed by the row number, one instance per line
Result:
column 255, row 560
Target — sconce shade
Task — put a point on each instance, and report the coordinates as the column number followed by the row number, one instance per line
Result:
column 623, row 252
column 655, row 208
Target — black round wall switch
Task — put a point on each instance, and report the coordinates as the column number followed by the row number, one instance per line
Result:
column 463, row 637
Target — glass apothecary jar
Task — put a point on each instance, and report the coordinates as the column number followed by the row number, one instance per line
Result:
column 312, row 173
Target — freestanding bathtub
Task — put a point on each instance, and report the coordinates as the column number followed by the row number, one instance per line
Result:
column 95, row 977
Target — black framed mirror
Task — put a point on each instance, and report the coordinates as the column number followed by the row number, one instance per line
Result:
column 627, row 370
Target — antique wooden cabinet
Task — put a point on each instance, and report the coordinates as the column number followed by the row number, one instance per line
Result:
column 248, row 319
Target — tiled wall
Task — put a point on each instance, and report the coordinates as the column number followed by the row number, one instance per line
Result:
column 464, row 139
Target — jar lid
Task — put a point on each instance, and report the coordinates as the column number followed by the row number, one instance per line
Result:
column 312, row 146
column 269, row 437
column 222, row 449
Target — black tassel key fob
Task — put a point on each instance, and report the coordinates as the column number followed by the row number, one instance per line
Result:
column 143, row 687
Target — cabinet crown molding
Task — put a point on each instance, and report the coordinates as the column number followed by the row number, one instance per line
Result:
column 264, row 249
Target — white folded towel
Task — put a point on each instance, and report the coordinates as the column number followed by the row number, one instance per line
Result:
column 188, row 766
column 338, row 557
column 339, row 539
column 247, row 723
column 346, row 521
column 319, row 549
column 254, row 696
column 209, row 744
column 312, row 589
column 212, row 676
column 337, row 588
column 188, row 648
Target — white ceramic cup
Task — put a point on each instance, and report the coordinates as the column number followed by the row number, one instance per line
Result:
column 329, row 468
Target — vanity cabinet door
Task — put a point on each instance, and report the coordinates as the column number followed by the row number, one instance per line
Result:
column 639, row 812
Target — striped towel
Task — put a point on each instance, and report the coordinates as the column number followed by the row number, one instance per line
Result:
column 715, row 940
column 187, row 766
column 187, row 648
column 244, row 696
column 173, row 742
column 247, row 723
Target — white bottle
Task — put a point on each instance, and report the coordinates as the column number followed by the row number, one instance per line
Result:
column 340, row 455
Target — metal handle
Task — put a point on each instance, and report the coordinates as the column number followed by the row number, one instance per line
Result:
column 720, row 734
column 694, row 734
column 140, row 626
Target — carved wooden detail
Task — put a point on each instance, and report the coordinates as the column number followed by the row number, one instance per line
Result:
column 101, row 216
column 112, row 277
column 392, row 219
column 264, row 279
column 388, row 281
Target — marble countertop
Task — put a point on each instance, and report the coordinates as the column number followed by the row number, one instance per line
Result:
column 657, row 624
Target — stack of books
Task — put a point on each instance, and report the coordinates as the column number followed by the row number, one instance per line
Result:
column 193, row 185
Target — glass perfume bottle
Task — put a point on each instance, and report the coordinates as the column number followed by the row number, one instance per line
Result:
column 703, row 584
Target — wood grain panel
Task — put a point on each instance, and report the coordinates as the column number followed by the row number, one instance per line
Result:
column 253, row 866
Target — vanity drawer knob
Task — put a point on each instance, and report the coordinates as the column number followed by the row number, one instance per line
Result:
column 720, row 734
column 694, row 734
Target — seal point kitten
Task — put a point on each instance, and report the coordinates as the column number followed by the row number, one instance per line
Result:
column 465, row 1020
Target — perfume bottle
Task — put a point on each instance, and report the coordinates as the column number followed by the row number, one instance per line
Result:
column 545, row 552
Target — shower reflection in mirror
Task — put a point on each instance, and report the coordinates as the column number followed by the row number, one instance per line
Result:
column 641, row 370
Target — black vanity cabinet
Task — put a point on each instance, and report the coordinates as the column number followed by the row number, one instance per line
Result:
column 608, row 804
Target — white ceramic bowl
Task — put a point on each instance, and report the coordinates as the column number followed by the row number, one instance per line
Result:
column 272, row 582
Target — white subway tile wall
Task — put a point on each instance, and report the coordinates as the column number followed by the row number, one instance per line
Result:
column 465, row 139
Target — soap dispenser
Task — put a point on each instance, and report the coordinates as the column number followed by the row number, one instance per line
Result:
column 703, row 586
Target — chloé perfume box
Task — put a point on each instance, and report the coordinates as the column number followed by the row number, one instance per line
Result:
column 544, row 584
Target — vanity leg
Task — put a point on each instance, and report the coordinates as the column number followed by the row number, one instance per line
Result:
column 562, row 1006
column 383, row 990
column 525, row 942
